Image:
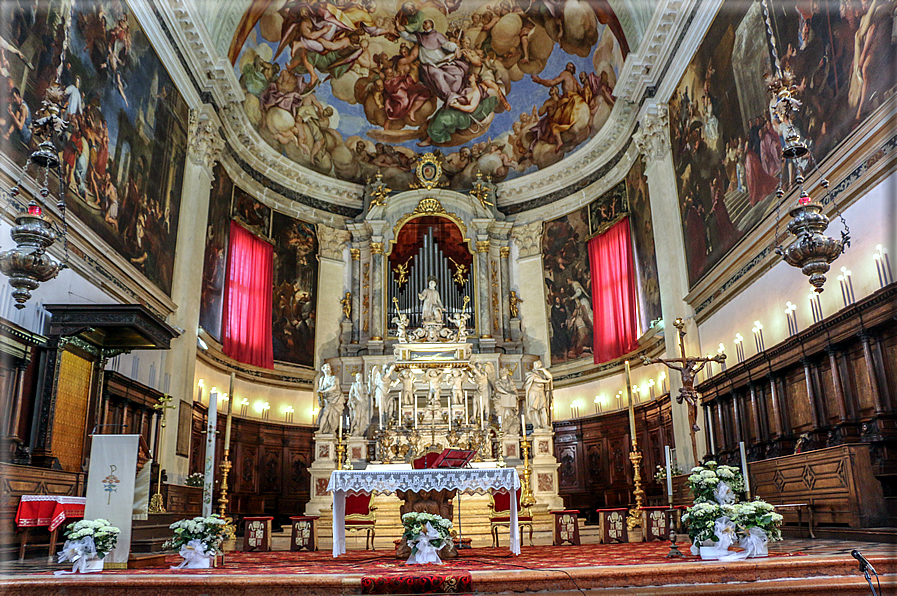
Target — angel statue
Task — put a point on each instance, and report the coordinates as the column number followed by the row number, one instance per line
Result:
column 379, row 386
column 401, row 322
column 331, row 401
column 347, row 306
column 539, row 386
column 459, row 320
column 505, row 401
column 480, row 374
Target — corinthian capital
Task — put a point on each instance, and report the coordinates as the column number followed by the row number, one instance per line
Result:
column 653, row 136
column 331, row 242
column 528, row 238
column 204, row 144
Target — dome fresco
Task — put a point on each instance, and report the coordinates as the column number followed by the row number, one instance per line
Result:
column 504, row 88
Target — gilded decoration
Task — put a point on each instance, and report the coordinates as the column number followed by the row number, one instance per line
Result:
column 482, row 246
column 504, row 252
column 377, row 248
column 428, row 170
column 429, row 206
column 356, row 254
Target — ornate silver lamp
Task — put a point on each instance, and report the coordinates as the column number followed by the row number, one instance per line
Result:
column 811, row 250
column 28, row 265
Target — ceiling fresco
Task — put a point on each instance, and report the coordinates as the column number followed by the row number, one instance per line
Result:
column 504, row 88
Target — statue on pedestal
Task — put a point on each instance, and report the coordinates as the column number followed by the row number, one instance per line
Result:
column 407, row 378
column 455, row 378
column 331, row 401
column 359, row 407
column 479, row 374
column 434, row 396
column 539, row 386
column 432, row 302
column 381, row 381
column 505, row 397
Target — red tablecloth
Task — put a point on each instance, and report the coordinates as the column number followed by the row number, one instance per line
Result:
column 48, row 510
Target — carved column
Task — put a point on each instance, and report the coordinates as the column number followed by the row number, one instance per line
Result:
column 834, row 364
column 331, row 245
column 710, row 436
column 530, row 287
column 778, row 428
column 205, row 145
column 355, row 253
column 755, row 410
column 484, row 281
column 874, row 388
column 736, row 412
column 504, row 253
column 723, row 434
column 811, row 392
column 377, row 331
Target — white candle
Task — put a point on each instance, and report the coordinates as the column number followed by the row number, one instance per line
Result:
column 466, row 410
column 666, row 450
column 414, row 413
column 744, row 470
column 499, row 423
column 522, row 426
column 341, row 427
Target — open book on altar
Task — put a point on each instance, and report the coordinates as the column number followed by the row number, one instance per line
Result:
column 453, row 458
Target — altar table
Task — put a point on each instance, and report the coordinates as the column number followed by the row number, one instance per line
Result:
column 465, row 480
column 46, row 510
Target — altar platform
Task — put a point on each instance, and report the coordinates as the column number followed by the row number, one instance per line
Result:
column 794, row 567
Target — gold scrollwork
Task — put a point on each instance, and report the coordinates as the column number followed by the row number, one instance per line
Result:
column 429, row 170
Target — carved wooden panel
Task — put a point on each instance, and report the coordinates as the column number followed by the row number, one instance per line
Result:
column 568, row 474
column 185, row 415
column 798, row 405
column 246, row 467
column 270, row 470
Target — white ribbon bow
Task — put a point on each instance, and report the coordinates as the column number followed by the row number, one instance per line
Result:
column 724, row 494
column 195, row 556
column 755, row 544
column 423, row 551
column 79, row 552
column 725, row 531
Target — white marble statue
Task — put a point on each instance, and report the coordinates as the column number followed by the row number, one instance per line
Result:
column 539, row 387
column 479, row 375
column 407, row 379
column 331, row 401
column 455, row 378
column 434, row 395
column 432, row 302
column 459, row 320
column 505, row 402
column 381, row 381
column 401, row 322
column 359, row 407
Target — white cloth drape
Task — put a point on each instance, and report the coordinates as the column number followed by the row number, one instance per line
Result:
column 465, row 480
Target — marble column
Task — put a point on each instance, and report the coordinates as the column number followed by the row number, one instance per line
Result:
column 531, row 289
column 504, row 253
column 484, row 302
column 331, row 245
column 355, row 253
column 653, row 142
column 204, row 148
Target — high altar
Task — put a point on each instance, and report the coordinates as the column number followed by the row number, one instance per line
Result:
column 431, row 353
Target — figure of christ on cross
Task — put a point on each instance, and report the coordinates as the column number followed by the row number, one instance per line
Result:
column 688, row 367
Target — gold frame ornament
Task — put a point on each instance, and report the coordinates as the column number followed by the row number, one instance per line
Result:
column 428, row 178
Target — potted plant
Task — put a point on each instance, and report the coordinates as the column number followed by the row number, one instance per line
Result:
column 87, row 542
column 199, row 539
column 427, row 534
column 758, row 524
column 713, row 483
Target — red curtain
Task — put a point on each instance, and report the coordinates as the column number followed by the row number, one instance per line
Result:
column 614, row 293
column 247, row 299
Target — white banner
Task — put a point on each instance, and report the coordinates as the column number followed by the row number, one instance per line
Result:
column 208, row 487
column 110, row 488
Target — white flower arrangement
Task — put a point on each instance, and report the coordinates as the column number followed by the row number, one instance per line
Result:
column 704, row 481
column 103, row 534
column 208, row 530
column 196, row 479
column 415, row 522
column 660, row 476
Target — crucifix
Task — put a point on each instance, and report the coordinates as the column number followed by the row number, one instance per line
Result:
column 688, row 367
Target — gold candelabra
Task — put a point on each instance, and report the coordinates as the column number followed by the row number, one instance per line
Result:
column 527, row 499
column 340, row 449
column 230, row 532
column 634, row 520
column 157, row 504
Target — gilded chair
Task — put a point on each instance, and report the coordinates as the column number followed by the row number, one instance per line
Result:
column 500, row 517
column 361, row 516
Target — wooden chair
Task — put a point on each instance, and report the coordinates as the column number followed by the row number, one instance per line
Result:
column 500, row 517
column 360, row 516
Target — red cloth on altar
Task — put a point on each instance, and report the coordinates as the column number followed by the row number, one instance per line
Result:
column 48, row 510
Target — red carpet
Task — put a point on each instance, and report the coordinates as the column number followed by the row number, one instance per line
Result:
column 382, row 563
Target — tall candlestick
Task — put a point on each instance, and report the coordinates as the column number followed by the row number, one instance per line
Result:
column 230, row 409
column 744, row 470
column 666, row 451
column 631, row 403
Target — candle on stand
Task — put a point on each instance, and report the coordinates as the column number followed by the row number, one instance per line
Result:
column 230, row 408
column 414, row 412
column 631, row 403
column 522, row 426
column 499, row 423
column 666, row 451
column 744, row 470
column 340, row 426
column 466, row 410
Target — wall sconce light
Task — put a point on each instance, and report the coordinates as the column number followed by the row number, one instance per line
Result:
column 709, row 372
column 224, row 397
column 758, row 336
column 791, row 317
column 244, row 406
column 619, row 397
column 663, row 381
column 882, row 266
column 739, row 348
column 314, row 415
column 288, row 414
column 816, row 307
column 846, row 286
column 651, row 387
column 722, row 350
column 265, row 409
column 574, row 411
column 200, row 384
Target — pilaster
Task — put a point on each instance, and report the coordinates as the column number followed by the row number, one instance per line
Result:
column 531, row 289
column 331, row 266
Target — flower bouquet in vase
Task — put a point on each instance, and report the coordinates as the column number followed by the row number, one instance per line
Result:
column 426, row 534
column 758, row 524
column 199, row 539
column 87, row 542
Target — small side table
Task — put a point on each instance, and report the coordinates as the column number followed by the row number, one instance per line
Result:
column 257, row 534
column 566, row 527
column 305, row 532
column 612, row 525
column 657, row 522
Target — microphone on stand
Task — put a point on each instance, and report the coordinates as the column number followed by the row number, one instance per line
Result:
column 864, row 563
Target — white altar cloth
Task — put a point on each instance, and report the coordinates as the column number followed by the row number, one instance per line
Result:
column 465, row 480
